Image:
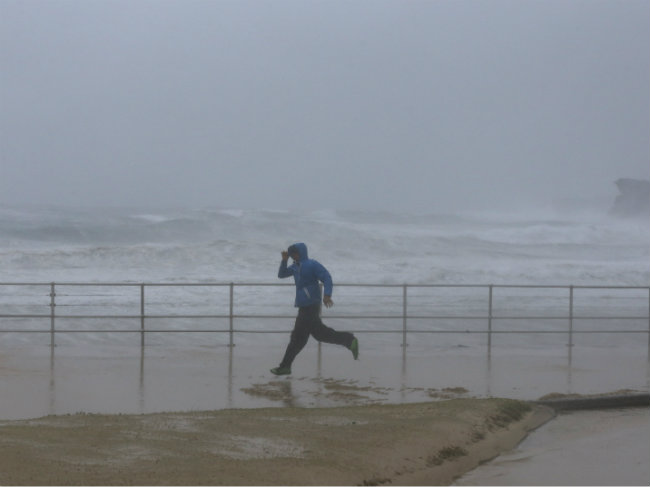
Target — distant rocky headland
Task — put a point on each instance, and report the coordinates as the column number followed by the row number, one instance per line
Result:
column 634, row 198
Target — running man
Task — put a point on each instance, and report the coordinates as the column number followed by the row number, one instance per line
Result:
column 307, row 273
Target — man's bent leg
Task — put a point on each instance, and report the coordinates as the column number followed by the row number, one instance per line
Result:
column 324, row 333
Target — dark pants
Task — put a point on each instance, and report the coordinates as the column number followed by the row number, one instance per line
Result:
column 308, row 323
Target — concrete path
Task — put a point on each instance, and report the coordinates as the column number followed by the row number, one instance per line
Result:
column 38, row 381
column 610, row 447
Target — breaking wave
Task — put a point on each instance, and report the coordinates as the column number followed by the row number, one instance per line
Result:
column 244, row 245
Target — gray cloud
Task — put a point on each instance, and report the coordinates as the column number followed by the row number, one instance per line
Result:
column 415, row 105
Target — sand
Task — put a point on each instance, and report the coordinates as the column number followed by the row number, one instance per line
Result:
column 429, row 443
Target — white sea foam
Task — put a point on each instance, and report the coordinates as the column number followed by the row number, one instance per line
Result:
column 243, row 246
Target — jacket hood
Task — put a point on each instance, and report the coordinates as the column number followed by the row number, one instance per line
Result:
column 302, row 251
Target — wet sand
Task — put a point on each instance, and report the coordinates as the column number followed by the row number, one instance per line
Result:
column 407, row 444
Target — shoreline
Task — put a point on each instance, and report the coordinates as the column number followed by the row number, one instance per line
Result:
column 428, row 443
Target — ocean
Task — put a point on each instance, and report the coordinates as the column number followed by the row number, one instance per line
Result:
column 212, row 245
column 223, row 245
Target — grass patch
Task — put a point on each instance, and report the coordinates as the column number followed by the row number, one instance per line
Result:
column 447, row 453
column 477, row 436
column 508, row 412
column 377, row 481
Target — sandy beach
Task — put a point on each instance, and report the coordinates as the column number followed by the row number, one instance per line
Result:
column 410, row 444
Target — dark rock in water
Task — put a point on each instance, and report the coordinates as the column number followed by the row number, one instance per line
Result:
column 634, row 199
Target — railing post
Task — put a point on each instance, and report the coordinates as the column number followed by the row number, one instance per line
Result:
column 142, row 315
column 320, row 303
column 231, row 313
column 52, row 314
column 570, row 316
column 404, row 316
column 490, row 320
column 320, row 311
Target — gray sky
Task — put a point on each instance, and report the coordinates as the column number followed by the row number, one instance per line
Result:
column 404, row 105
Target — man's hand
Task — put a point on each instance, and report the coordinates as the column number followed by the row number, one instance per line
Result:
column 327, row 301
column 285, row 255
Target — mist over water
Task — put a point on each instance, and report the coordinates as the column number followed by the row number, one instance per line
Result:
column 427, row 106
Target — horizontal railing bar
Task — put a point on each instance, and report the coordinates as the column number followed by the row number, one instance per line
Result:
column 568, row 317
column 339, row 317
column 458, row 332
column 133, row 317
column 344, row 284
column 611, row 287
column 203, row 284
column 140, row 331
column 25, row 316
column 89, row 284
column 464, row 332
column 156, row 331
column 123, row 331
column 425, row 317
column 25, row 283
column 183, row 331
column 156, row 284
column 436, row 317
column 558, row 286
column 575, row 332
column 611, row 317
column 111, row 317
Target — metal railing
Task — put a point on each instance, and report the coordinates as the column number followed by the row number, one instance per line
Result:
column 401, row 302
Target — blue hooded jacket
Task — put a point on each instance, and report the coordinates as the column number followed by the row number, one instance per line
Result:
column 307, row 273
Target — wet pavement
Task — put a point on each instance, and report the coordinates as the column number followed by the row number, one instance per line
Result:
column 38, row 380
column 609, row 447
